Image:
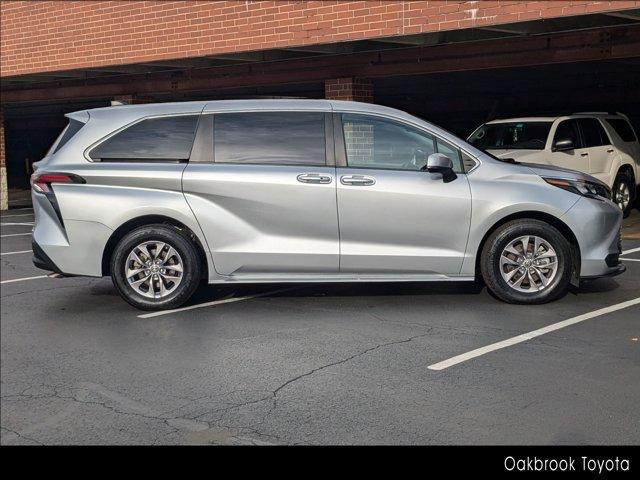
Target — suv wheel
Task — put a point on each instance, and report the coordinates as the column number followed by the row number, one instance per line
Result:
column 156, row 267
column 622, row 192
column 526, row 261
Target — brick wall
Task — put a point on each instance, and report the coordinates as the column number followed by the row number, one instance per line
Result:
column 60, row 35
column 359, row 143
column 356, row 89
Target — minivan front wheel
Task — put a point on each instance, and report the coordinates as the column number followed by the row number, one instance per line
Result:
column 526, row 261
column 156, row 267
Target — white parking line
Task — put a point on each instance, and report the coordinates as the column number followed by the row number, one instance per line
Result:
column 14, row 234
column 24, row 279
column 15, row 253
column 215, row 302
column 23, row 224
column 631, row 259
column 528, row 336
column 633, row 250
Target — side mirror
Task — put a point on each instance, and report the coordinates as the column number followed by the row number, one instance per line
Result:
column 440, row 163
column 562, row 145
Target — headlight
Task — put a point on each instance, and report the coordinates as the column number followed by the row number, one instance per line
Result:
column 581, row 187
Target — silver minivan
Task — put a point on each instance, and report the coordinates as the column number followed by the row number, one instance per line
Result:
column 162, row 197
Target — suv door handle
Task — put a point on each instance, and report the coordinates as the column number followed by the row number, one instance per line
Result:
column 313, row 178
column 357, row 180
column 584, row 154
column 610, row 150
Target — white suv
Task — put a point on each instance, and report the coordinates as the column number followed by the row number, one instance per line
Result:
column 601, row 144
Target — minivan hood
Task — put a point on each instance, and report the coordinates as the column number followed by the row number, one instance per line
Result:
column 559, row 172
column 518, row 154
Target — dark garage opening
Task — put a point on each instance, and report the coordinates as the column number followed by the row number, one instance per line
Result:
column 461, row 101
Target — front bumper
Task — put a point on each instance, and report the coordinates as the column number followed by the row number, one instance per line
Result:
column 596, row 225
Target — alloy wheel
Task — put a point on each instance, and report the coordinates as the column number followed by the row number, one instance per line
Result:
column 528, row 264
column 154, row 269
column 622, row 195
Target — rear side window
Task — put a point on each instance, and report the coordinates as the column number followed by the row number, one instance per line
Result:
column 270, row 138
column 622, row 128
column 67, row 134
column 593, row 133
column 153, row 139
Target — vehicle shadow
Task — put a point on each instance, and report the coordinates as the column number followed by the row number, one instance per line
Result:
column 208, row 293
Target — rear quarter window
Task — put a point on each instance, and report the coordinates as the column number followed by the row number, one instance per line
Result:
column 67, row 134
column 152, row 139
column 622, row 128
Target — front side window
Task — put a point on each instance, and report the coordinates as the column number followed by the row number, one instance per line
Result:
column 272, row 138
column 373, row 142
column 568, row 130
column 593, row 133
column 511, row 136
column 154, row 139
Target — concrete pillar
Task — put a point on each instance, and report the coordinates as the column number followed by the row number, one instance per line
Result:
column 4, row 193
column 349, row 88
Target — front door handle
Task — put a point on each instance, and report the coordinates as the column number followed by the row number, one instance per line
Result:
column 314, row 178
column 584, row 154
column 610, row 150
column 357, row 180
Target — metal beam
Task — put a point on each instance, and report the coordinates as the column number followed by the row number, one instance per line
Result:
column 590, row 45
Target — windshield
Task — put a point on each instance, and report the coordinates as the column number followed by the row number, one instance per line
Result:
column 511, row 136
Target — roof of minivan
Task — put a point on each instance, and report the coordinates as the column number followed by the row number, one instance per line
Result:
column 249, row 105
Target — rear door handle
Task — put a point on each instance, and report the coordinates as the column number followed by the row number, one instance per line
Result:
column 314, row 178
column 584, row 154
column 610, row 150
column 357, row 180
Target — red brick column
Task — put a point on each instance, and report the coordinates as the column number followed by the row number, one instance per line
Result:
column 4, row 194
column 349, row 88
column 130, row 99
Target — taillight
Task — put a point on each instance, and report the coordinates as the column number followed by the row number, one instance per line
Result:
column 41, row 182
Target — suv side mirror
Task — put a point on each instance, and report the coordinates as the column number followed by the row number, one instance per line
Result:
column 562, row 145
column 440, row 163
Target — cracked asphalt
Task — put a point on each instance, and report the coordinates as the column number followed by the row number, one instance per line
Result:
column 316, row 364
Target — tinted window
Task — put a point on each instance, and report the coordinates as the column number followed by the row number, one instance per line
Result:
column 568, row 130
column 373, row 142
column 166, row 138
column 593, row 133
column 278, row 138
column 622, row 128
column 511, row 135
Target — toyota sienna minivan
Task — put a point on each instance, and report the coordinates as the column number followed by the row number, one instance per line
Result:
column 164, row 196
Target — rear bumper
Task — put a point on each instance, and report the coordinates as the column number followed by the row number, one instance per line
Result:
column 41, row 260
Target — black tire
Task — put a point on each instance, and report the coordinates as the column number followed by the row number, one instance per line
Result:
column 509, row 232
column 183, row 245
column 624, row 179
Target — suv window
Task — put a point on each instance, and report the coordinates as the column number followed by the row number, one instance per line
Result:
column 568, row 130
column 511, row 135
column 593, row 133
column 272, row 138
column 374, row 142
column 622, row 128
column 164, row 138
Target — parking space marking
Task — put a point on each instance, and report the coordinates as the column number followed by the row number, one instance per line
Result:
column 24, row 279
column 15, row 253
column 22, row 224
column 19, row 215
column 631, row 259
column 14, row 234
column 213, row 303
column 633, row 250
column 528, row 336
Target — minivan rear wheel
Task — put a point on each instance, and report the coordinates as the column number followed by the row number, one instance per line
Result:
column 526, row 261
column 156, row 267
